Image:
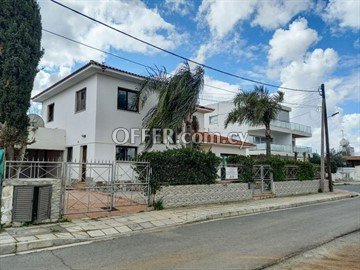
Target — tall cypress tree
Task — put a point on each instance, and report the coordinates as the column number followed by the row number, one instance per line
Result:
column 20, row 53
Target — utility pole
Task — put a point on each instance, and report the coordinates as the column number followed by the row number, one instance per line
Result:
column 322, row 164
column 328, row 165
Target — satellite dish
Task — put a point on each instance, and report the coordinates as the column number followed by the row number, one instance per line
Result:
column 36, row 120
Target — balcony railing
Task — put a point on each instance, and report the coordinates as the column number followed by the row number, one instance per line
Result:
column 291, row 126
column 302, row 149
column 282, row 148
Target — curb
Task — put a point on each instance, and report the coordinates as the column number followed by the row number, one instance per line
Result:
column 20, row 247
column 270, row 208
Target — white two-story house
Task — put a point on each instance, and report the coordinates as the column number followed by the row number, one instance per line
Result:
column 93, row 101
column 284, row 133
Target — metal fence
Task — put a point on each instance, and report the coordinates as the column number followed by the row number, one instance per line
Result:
column 90, row 187
column 97, row 187
column 33, row 169
column 263, row 179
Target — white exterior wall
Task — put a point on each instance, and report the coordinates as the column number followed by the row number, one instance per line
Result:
column 281, row 136
column 109, row 118
column 224, row 149
column 94, row 126
column 47, row 138
column 75, row 124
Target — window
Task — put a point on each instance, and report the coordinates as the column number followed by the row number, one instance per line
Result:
column 80, row 100
column 127, row 100
column 69, row 156
column 50, row 112
column 125, row 152
column 213, row 120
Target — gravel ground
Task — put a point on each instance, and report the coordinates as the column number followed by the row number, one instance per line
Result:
column 340, row 254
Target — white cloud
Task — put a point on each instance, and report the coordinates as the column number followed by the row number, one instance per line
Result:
column 272, row 14
column 212, row 94
column 291, row 44
column 222, row 16
column 308, row 74
column 132, row 17
column 180, row 6
column 345, row 13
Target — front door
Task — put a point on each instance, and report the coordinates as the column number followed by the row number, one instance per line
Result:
column 83, row 162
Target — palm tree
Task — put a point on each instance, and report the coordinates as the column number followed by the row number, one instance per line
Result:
column 178, row 96
column 256, row 108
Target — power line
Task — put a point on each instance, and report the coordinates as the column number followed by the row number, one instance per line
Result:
column 120, row 57
column 178, row 55
column 146, row 66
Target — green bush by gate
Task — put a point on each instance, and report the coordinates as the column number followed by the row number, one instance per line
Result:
column 182, row 166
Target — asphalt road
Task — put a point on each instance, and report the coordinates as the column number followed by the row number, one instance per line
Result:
column 353, row 188
column 244, row 242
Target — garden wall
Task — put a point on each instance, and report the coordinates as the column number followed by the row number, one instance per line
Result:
column 287, row 188
column 187, row 195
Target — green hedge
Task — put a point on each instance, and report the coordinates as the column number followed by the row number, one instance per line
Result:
column 184, row 166
column 277, row 163
column 245, row 174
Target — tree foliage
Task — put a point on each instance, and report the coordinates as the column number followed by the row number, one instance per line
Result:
column 20, row 52
column 183, row 166
column 177, row 98
column 257, row 107
column 336, row 160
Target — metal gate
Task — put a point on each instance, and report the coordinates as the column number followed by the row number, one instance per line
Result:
column 102, row 187
column 263, row 179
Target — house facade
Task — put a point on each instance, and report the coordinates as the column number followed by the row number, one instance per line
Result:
column 284, row 133
column 96, row 100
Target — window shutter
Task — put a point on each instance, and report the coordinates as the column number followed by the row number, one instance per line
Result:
column 44, row 203
column 23, row 203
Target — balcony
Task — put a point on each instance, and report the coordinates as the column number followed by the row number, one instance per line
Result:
column 282, row 148
column 302, row 149
column 298, row 130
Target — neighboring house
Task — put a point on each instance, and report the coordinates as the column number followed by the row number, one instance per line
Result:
column 92, row 102
column 284, row 133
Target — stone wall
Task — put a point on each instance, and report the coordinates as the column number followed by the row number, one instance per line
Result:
column 7, row 197
column 287, row 188
column 187, row 195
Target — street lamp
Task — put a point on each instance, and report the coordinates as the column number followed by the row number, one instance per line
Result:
column 333, row 114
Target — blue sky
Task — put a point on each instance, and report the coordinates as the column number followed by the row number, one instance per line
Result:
column 298, row 44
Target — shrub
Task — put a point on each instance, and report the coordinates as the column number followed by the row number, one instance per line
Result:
column 158, row 204
column 277, row 166
column 245, row 173
column 306, row 170
column 183, row 166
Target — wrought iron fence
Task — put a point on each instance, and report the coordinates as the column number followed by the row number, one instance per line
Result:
column 90, row 187
column 291, row 172
column 33, row 169
column 263, row 179
column 96, row 187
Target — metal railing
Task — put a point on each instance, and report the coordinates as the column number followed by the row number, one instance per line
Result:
column 302, row 149
column 291, row 126
column 282, row 148
column 33, row 169
column 274, row 147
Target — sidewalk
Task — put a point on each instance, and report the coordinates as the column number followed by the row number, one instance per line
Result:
column 14, row 240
